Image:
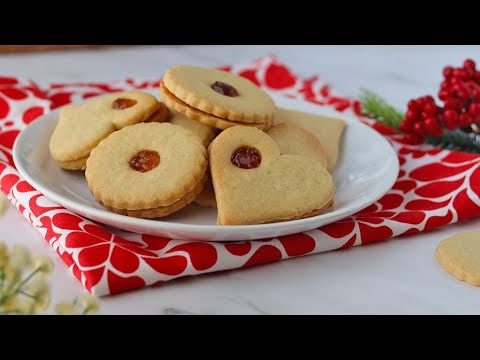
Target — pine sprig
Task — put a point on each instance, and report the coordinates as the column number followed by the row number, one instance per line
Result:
column 457, row 140
column 377, row 108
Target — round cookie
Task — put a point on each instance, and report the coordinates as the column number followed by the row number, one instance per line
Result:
column 206, row 198
column 201, row 116
column 81, row 127
column 147, row 170
column 293, row 140
column 219, row 93
column 255, row 184
column 460, row 256
column 204, row 132
column 161, row 115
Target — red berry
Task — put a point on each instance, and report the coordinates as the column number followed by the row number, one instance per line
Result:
column 418, row 128
column 450, row 119
column 414, row 105
column 447, row 72
column 465, row 74
column 463, row 94
column 474, row 110
column 430, row 109
column 455, row 80
column 477, row 76
column 433, row 126
column 469, row 64
column 445, row 94
column 464, row 120
column 429, row 98
column 414, row 139
column 457, row 73
column 412, row 115
column 406, row 126
column 445, row 85
column 459, row 86
column 450, row 103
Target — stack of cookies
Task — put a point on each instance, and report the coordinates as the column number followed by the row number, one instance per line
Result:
column 217, row 140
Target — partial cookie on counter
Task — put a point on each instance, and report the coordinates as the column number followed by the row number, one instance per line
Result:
column 147, row 170
column 204, row 132
column 294, row 140
column 460, row 256
column 81, row 127
column 216, row 98
column 328, row 130
column 255, row 184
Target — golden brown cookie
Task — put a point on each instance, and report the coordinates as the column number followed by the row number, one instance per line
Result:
column 161, row 115
column 294, row 140
column 81, row 127
column 255, row 184
column 327, row 130
column 147, row 170
column 219, row 93
column 163, row 210
column 460, row 256
column 204, row 132
column 206, row 198
column 201, row 116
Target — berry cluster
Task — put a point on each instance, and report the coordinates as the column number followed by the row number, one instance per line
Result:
column 460, row 93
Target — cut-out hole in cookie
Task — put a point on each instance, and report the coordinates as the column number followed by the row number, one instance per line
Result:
column 246, row 157
column 224, row 89
column 122, row 103
column 145, row 160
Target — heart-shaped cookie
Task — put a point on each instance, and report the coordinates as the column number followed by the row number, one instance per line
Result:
column 327, row 130
column 81, row 127
column 255, row 184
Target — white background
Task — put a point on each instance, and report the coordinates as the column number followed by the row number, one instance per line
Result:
column 397, row 276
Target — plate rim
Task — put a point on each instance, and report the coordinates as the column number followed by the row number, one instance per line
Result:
column 201, row 228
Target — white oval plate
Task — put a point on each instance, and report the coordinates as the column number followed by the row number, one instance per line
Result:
column 366, row 170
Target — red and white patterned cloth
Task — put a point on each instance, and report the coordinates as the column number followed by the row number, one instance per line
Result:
column 434, row 188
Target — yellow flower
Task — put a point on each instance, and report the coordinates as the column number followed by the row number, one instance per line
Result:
column 43, row 264
column 3, row 250
column 3, row 203
column 11, row 276
column 42, row 301
column 20, row 257
column 87, row 304
column 3, row 255
column 65, row 308
column 36, row 286
column 23, row 305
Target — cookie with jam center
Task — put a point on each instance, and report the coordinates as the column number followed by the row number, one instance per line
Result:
column 147, row 170
column 216, row 98
column 255, row 184
column 81, row 127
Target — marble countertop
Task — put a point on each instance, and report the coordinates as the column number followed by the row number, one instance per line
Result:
column 397, row 276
